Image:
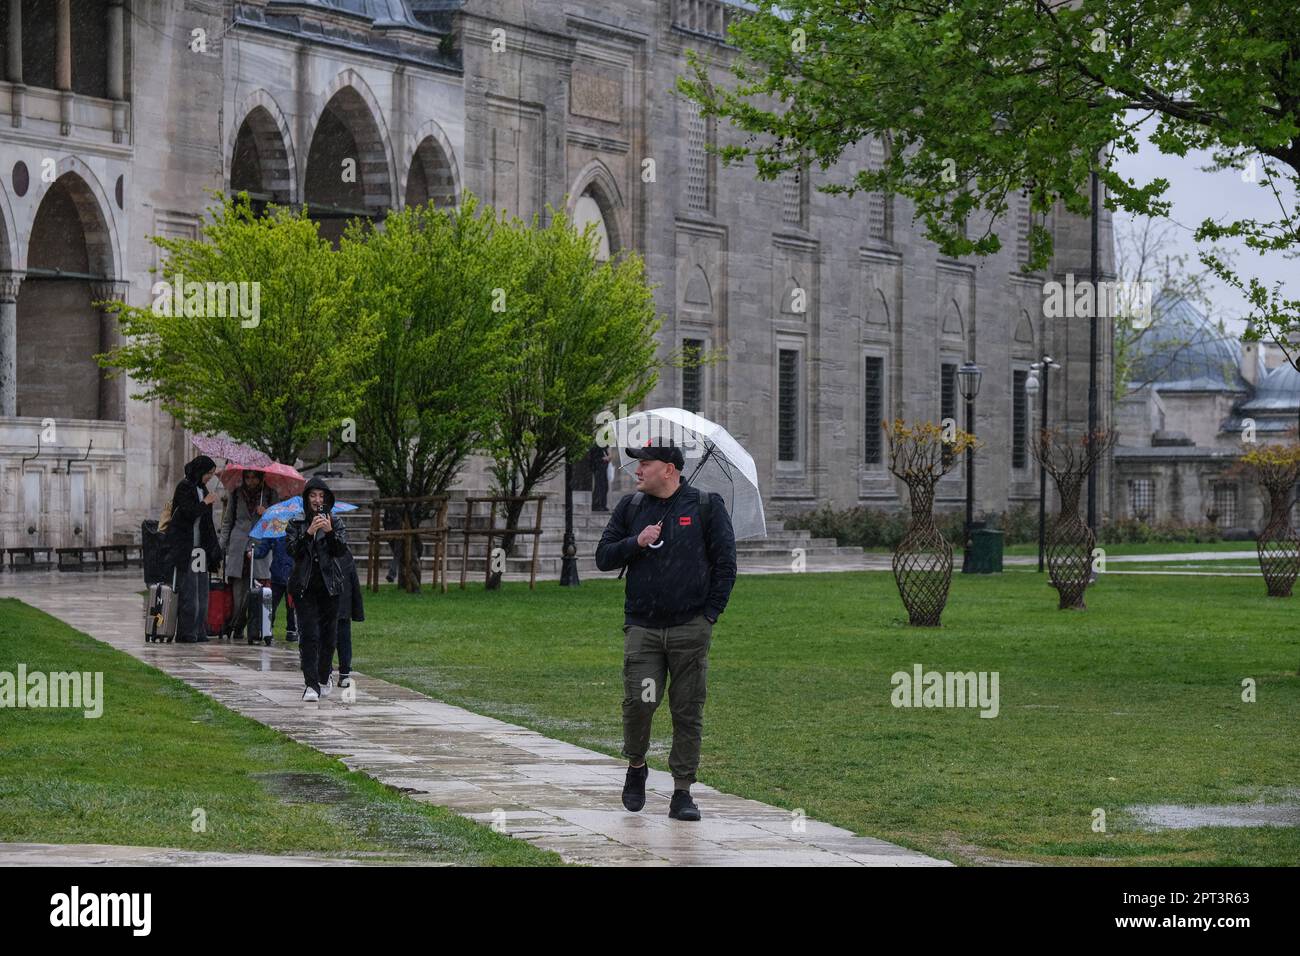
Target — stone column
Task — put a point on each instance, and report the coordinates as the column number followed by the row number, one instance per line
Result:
column 14, row 61
column 63, row 63
column 112, row 388
column 117, row 68
column 9, row 283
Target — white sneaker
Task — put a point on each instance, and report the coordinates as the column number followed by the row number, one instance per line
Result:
column 310, row 695
column 326, row 687
column 346, row 681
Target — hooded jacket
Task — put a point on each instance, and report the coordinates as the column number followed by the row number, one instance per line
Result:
column 322, row 550
column 187, row 508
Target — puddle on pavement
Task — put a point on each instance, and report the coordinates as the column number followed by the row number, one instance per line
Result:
column 403, row 832
column 1175, row 817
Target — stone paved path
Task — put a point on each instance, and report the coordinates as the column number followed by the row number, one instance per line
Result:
column 556, row 795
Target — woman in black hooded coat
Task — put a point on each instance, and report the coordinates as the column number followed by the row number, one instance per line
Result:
column 316, row 541
column 189, row 532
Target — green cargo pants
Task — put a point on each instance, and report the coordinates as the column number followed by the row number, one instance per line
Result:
column 675, row 658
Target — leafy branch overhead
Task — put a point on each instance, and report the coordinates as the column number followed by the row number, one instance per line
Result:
column 978, row 100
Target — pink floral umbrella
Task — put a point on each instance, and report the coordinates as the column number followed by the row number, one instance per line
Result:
column 218, row 446
column 285, row 479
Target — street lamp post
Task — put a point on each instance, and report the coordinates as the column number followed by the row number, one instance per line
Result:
column 1031, row 386
column 1094, row 275
column 569, row 558
column 969, row 376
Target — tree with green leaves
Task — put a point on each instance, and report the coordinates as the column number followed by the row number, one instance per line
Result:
column 982, row 98
column 277, row 376
column 429, row 276
column 585, row 342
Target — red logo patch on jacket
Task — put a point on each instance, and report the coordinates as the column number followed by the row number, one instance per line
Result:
column 684, row 520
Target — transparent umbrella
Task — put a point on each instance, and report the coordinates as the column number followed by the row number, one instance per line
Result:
column 715, row 461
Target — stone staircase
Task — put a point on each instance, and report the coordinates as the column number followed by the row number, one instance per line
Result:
column 777, row 552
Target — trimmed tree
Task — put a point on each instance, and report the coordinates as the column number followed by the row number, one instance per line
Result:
column 260, row 347
column 430, row 277
column 584, row 344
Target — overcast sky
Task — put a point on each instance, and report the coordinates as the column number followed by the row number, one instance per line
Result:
column 1223, row 196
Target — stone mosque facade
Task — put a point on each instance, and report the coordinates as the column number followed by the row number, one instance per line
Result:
column 120, row 118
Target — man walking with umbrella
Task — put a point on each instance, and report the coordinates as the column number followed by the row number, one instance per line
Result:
column 677, row 545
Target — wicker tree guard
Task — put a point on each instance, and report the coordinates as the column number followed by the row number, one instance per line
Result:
column 1070, row 541
column 923, row 559
column 1276, row 468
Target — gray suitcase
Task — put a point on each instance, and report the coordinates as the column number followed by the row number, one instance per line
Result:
column 160, row 613
column 259, row 614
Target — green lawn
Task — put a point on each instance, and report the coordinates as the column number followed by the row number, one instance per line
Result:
column 135, row 775
column 1135, row 701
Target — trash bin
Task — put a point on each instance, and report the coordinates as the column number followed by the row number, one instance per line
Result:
column 986, row 551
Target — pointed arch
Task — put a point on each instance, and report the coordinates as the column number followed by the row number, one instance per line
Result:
column 354, row 104
column 878, row 309
column 272, row 137
column 94, row 212
column 596, row 181
column 954, row 322
column 699, row 295
column 431, row 169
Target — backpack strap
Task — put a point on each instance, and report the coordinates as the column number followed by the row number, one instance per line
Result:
column 635, row 504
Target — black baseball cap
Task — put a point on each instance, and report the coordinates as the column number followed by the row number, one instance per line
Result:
column 669, row 452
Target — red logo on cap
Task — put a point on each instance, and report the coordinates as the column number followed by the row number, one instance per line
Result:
column 684, row 520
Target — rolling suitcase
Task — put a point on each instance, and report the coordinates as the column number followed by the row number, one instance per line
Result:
column 220, row 606
column 160, row 613
column 153, row 549
column 259, row 607
column 259, row 614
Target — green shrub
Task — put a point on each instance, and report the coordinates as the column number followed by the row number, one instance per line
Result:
column 883, row 528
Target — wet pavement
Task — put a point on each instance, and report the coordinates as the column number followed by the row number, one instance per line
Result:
column 556, row 795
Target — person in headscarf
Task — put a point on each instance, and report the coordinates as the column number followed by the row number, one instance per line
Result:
column 316, row 541
column 192, row 548
column 248, row 502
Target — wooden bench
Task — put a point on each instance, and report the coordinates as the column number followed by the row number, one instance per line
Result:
column 29, row 552
column 74, row 558
column 118, row 555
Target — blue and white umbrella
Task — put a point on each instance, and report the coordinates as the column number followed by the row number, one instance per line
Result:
column 276, row 518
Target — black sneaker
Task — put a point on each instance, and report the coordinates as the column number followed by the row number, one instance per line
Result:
column 634, row 787
column 683, row 807
column 202, row 639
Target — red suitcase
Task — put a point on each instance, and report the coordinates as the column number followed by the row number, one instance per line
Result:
column 221, row 606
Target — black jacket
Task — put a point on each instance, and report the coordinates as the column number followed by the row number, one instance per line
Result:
column 186, row 509
column 692, row 573
column 322, row 549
